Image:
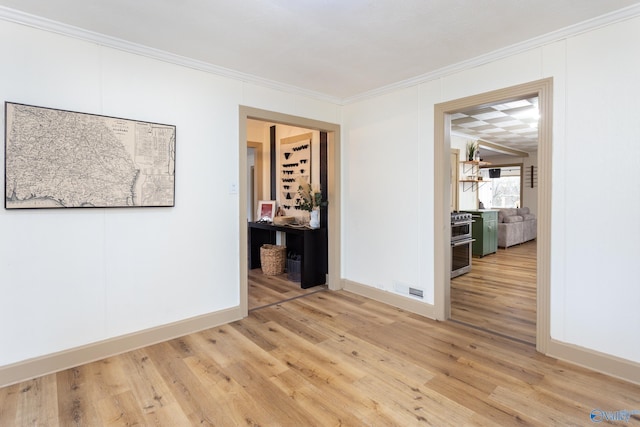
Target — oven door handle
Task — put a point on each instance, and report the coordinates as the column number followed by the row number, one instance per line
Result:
column 462, row 242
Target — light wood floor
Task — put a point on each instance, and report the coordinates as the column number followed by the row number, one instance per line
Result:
column 267, row 290
column 324, row 359
column 499, row 294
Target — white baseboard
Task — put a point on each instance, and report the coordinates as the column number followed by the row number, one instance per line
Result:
column 600, row 362
column 43, row 365
column 406, row 303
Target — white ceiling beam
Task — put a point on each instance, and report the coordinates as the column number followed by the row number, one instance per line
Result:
column 503, row 149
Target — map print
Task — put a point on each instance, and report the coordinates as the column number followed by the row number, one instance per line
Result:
column 63, row 159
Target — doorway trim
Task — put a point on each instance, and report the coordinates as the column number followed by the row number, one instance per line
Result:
column 258, row 189
column 454, row 203
column 543, row 89
column 332, row 185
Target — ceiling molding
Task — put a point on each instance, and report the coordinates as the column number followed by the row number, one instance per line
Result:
column 45, row 24
column 564, row 33
column 34, row 21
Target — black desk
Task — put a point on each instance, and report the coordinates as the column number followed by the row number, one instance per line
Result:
column 311, row 244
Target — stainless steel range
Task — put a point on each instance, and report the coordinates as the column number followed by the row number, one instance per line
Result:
column 461, row 241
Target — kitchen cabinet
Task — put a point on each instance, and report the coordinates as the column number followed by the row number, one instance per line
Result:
column 485, row 232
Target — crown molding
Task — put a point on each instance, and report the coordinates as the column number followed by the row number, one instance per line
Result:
column 41, row 23
column 45, row 24
column 562, row 34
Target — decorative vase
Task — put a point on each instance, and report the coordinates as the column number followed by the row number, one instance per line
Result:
column 314, row 222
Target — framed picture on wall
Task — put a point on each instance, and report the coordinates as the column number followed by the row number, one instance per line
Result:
column 266, row 210
column 66, row 159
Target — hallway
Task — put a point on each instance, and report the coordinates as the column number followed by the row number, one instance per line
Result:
column 499, row 294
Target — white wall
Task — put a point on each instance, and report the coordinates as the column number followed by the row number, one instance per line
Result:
column 597, row 295
column 388, row 149
column 72, row 277
column 77, row 276
column 385, row 170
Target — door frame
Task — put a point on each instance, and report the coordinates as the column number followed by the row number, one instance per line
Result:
column 258, row 181
column 454, row 203
column 332, row 186
column 543, row 89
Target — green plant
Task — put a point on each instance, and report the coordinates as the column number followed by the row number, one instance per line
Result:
column 472, row 148
column 309, row 196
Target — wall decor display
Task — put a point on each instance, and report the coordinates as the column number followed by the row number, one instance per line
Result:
column 295, row 164
column 531, row 176
column 64, row 159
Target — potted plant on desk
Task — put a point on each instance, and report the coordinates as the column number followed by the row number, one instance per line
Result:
column 310, row 199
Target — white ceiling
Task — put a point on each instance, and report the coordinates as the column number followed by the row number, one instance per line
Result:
column 339, row 49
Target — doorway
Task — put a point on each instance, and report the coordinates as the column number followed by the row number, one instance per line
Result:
column 332, row 187
column 497, row 292
column 290, row 154
column 542, row 89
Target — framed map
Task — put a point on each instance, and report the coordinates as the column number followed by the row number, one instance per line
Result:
column 65, row 159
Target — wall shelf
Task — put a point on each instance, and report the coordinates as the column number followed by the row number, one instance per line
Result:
column 472, row 167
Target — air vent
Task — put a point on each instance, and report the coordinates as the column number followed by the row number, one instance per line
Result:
column 406, row 289
column 416, row 292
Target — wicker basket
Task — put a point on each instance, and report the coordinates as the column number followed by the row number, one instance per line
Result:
column 272, row 258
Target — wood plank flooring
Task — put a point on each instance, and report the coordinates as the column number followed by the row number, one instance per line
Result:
column 499, row 294
column 323, row 359
column 267, row 290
